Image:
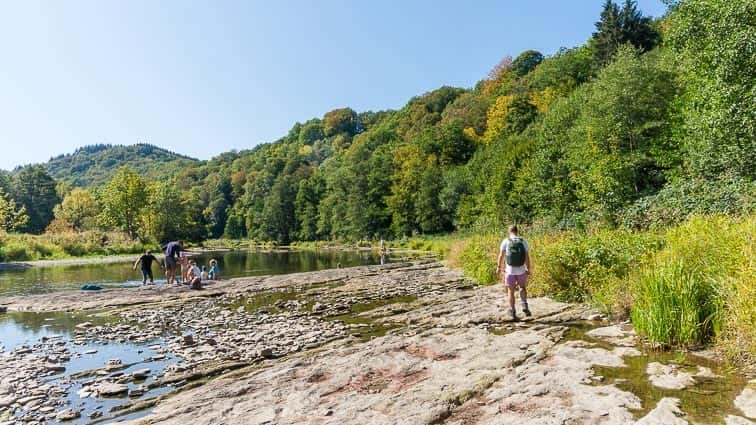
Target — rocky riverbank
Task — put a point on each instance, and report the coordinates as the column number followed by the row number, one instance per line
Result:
column 403, row 343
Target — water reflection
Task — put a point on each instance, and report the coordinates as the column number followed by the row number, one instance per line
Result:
column 37, row 280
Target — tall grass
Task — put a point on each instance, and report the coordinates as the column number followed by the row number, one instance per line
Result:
column 684, row 296
column 677, row 304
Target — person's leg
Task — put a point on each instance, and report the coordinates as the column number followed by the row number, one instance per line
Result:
column 144, row 277
column 152, row 278
column 523, row 284
column 511, row 282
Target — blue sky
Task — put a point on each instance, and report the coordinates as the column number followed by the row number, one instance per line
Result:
column 201, row 78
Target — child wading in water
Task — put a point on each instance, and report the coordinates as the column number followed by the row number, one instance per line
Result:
column 515, row 251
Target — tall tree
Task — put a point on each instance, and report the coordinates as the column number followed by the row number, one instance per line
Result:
column 34, row 189
column 618, row 26
column 79, row 209
column 11, row 217
column 123, row 199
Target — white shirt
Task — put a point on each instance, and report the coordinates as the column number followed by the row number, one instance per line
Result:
column 196, row 272
column 515, row 271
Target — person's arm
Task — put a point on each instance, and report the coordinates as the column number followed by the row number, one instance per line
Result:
column 499, row 260
column 527, row 261
column 136, row 262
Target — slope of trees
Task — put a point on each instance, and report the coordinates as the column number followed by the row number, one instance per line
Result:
column 94, row 165
column 647, row 123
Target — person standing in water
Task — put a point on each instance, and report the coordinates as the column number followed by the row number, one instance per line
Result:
column 172, row 252
column 146, row 261
column 516, row 252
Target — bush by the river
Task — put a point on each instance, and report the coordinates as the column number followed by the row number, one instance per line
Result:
column 26, row 247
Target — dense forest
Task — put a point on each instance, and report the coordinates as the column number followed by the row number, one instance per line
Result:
column 649, row 122
column 94, row 165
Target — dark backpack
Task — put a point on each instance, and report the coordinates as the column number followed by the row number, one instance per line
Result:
column 516, row 252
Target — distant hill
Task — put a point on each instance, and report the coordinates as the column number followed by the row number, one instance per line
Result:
column 94, row 165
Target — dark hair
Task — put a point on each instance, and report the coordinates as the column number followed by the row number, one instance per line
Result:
column 513, row 229
column 148, row 252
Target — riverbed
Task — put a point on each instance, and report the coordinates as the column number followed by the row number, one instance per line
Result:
column 407, row 342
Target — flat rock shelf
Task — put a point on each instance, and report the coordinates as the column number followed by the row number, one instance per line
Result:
column 407, row 343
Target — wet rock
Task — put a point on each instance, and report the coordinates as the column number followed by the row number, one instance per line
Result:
column 92, row 351
column 109, row 389
column 746, row 401
column 67, row 415
column 141, row 373
column 187, row 339
column 705, row 372
column 318, row 307
column 266, row 353
column 668, row 376
column 621, row 335
column 666, row 412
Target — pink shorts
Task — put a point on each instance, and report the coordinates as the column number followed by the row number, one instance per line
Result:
column 513, row 280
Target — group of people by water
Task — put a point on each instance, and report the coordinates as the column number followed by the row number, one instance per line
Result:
column 513, row 261
column 178, row 267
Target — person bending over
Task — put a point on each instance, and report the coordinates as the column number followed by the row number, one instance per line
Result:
column 146, row 265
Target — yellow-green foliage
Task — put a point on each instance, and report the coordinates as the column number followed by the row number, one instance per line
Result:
column 592, row 266
column 26, row 247
column 478, row 258
column 700, row 286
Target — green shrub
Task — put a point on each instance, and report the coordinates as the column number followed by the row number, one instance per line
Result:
column 478, row 258
column 590, row 266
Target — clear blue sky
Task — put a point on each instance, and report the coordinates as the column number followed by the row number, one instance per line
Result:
column 201, row 78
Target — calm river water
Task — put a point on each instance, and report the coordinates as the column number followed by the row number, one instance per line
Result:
column 36, row 280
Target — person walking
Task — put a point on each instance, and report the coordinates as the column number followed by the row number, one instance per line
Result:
column 516, row 253
column 146, row 266
column 172, row 253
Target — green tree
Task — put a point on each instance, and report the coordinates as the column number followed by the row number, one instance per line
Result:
column 713, row 41
column 169, row 215
column 123, row 200
column 311, row 132
column 343, row 120
column 35, row 190
column 277, row 221
column 618, row 26
column 11, row 217
column 526, row 62
column 79, row 209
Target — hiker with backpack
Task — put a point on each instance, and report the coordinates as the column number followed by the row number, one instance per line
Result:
column 515, row 251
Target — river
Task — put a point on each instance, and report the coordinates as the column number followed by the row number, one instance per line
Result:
column 39, row 280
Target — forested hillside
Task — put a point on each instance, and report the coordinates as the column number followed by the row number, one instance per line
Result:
column 648, row 122
column 94, row 165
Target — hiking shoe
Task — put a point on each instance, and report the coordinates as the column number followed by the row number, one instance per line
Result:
column 514, row 315
column 527, row 312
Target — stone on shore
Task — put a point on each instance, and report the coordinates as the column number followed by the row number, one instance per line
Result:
column 109, row 389
column 666, row 412
column 746, row 402
column 669, row 377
